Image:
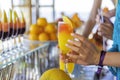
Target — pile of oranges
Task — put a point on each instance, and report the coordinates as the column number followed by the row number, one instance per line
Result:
column 43, row 31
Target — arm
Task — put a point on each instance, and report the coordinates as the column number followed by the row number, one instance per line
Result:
column 112, row 59
column 91, row 20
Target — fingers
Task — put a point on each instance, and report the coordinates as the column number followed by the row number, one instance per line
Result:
column 80, row 45
column 105, row 30
column 97, row 19
column 65, row 58
column 107, row 25
column 83, row 42
column 75, row 58
column 79, row 37
column 106, row 20
column 71, row 57
column 80, row 49
column 74, row 42
column 76, row 46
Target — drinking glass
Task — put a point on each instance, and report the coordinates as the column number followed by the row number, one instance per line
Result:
column 22, row 31
column 4, row 31
column 17, row 30
column 11, row 32
column 64, row 31
column 0, row 35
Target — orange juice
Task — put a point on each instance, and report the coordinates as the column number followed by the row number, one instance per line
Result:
column 64, row 31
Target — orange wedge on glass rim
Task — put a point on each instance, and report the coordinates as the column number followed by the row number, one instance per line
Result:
column 67, row 20
column 76, row 20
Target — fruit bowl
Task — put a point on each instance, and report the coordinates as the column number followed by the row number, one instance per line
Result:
column 34, row 43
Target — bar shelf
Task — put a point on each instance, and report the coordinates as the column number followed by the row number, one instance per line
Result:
column 23, row 63
column 7, row 60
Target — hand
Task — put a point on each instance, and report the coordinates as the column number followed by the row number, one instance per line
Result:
column 105, row 29
column 67, row 59
column 82, row 51
column 106, row 20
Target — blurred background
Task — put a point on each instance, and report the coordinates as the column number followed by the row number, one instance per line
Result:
column 52, row 9
column 30, row 55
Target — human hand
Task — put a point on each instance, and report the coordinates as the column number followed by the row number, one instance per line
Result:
column 66, row 59
column 105, row 29
column 82, row 51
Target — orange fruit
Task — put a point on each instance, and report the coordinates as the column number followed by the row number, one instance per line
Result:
column 43, row 36
column 34, row 29
column 50, row 28
column 42, row 22
column 53, row 36
column 33, row 37
column 76, row 20
column 55, row 74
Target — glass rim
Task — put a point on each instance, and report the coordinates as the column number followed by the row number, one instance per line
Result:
column 61, row 22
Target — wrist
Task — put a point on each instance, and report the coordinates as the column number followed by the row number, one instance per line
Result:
column 102, row 56
column 100, row 64
column 97, row 58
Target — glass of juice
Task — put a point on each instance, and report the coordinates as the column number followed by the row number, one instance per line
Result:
column 64, row 31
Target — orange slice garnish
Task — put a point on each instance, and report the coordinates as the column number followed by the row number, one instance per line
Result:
column 68, row 21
